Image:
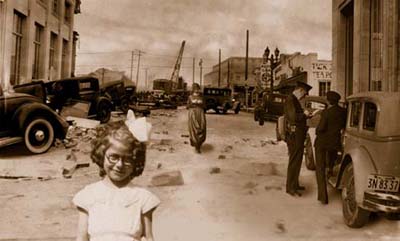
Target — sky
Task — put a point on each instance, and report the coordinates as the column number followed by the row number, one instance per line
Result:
column 110, row 30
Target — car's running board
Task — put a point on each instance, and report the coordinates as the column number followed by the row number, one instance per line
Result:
column 5, row 141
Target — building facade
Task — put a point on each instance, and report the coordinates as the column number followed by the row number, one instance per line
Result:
column 365, row 46
column 233, row 75
column 318, row 72
column 37, row 40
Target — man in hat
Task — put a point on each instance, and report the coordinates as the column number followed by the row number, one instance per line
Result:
column 296, row 134
column 328, row 141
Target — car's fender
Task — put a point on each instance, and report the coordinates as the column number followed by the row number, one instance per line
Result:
column 363, row 165
column 101, row 99
column 28, row 110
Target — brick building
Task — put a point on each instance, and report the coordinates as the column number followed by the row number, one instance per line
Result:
column 37, row 40
column 365, row 47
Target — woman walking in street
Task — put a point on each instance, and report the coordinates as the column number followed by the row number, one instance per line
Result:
column 197, row 118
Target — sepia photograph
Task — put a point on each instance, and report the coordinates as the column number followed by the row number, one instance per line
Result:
column 217, row 120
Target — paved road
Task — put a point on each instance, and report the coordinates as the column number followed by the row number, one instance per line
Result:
column 245, row 201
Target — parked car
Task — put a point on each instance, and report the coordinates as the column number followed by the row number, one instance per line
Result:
column 25, row 118
column 270, row 107
column 368, row 173
column 117, row 93
column 220, row 99
column 65, row 92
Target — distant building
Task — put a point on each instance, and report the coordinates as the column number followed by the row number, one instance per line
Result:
column 37, row 40
column 366, row 45
column 233, row 76
column 307, row 68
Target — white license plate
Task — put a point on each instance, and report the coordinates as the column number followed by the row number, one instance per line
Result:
column 383, row 183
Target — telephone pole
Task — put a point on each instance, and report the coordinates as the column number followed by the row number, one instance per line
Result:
column 219, row 68
column 132, row 54
column 201, row 71
column 140, row 52
column 194, row 67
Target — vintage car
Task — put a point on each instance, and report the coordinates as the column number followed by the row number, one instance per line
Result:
column 117, row 93
column 69, row 91
column 270, row 107
column 368, row 172
column 25, row 118
column 220, row 99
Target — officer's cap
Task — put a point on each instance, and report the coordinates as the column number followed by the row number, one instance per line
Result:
column 332, row 96
column 303, row 85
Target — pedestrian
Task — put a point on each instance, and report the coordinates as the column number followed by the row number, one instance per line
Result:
column 328, row 141
column 196, row 118
column 296, row 130
column 111, row 209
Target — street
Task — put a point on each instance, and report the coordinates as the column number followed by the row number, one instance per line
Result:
column 234, row 190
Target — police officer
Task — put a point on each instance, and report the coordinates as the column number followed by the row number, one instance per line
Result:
column 296, row 134
column 328, row 141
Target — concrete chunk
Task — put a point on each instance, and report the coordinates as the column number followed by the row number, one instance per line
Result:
column 171, row 178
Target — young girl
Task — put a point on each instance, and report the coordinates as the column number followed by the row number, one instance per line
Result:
column 110, row 210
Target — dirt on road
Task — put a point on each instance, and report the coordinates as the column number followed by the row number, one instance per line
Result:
column 233, row 191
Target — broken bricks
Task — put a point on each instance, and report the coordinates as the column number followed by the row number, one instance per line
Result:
column 170, row 178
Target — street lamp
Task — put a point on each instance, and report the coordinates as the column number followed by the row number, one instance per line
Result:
column 274, row 60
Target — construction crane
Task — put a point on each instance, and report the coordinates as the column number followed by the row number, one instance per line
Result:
column 171, row 85
column 175, row 72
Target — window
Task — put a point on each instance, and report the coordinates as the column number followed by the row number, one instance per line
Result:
column 64, row 59
column 36, row 57
column 355, row 114
column 67, row 12
column 376, row 46
column 16, row 50
column 53, row 43
column 324, row 86
column 55, row 7
column 370, row 112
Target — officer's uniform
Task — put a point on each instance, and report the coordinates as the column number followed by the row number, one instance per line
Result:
column 328, row 141
column 296, row 135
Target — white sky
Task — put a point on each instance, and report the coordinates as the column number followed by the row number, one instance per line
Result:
column 110, row 29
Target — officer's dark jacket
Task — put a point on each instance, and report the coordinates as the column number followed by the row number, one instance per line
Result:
column 294, row 113
column 333, row 120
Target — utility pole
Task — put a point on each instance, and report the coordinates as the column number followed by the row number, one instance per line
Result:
column 219, row 68
column 228, row 80
column 201, row 71
column 138, row 67
column 132, row 54
column 246, row 87
column 194, row 67
column 146, row 77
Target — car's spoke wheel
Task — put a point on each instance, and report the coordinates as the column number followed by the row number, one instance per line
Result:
column 103, row 112
column 124, row 105
column 354, row 215
column 238, row 109
column 39, row 135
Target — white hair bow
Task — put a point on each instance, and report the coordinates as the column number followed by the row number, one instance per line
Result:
column 139, row 127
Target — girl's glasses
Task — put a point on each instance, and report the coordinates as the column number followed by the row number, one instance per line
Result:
column 115, row 158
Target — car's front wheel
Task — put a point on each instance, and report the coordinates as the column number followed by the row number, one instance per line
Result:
column 39, row 135
column 354, row 215
column 124, row 104
column 103, row 112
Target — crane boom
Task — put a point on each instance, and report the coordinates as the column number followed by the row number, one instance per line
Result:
column 175, row 73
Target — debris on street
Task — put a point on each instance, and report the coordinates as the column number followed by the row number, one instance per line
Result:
column 170, row 178
column 72, row 163
column 259, row 169
column 221, row 157
column 215, row 170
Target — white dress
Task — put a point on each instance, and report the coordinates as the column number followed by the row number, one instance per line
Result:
column 115, row 213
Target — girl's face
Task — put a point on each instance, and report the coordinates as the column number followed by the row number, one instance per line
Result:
column 118, row 163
